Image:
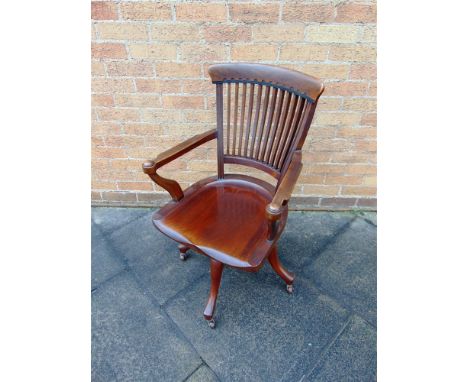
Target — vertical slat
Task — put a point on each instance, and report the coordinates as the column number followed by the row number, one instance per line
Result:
column 262, row 123
column 228, row 117
column 304, row 121
column 219, row 125
column 236, row 105
column 241, row 132
column 270, row 120
column 257, row 114
column 279, row 127
column 249, row 118
column 305, row 130
column 286, row 129
column 271, row 136
column 297, row 116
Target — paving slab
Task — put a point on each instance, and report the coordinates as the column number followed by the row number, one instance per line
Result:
column 109, row 219
column 307, row 233
column 370, row 216
column 261, row 330
column 132, row 340
column 104, row 263
column 347, row 270
column 352, row 357
column 203, row 374
column 154, row 259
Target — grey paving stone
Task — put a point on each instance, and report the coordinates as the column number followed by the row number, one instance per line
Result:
column 97, row 236
column 370, row 216
column 104, row 263
column 306, row 234
column 347, row 270
column 154, row 258
column 261, row 330
column 352, row 357
column 203, row 374
column 132, row 340
column 110, row 218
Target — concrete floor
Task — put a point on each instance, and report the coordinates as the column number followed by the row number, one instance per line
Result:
column 147, row 305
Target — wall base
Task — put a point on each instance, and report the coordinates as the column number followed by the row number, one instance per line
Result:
column 298, row 203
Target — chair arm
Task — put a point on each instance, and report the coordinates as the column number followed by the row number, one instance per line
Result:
column 283, row 193
column 150, row 166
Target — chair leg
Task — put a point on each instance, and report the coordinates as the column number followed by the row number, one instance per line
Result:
column 183, row 252
column 216, row 271
column 287, row 276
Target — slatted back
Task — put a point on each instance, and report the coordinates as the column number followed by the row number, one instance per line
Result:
column 263, row 114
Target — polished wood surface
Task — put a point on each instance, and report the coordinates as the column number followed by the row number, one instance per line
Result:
column 263, row 117
column 225, row 219
column 173, row 187
column 216, row 271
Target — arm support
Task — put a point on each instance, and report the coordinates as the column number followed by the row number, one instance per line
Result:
column 150, row 166
column 283, row 194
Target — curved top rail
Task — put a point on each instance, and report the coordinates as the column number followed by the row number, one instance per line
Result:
column 304, row 85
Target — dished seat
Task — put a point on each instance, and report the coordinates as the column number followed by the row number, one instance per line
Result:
column 230, row 213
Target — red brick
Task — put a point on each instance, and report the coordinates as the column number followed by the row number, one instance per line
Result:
column 104, row 128
column 102, row 100
column 104, row 10
column 215, row 33
column 308, row 13
column 98, row 68
column 358, row 191
column 111, row 85
column 103, row 185
column 356, row 13
column 137, row 100
column 131, row 69
column 158, row 86
column 108, row 50
column 183, row 102
column 363, row 72
column 196, row 12
column 143, row 129
column 145, row 11
column 135, row 186
column 369, row 119
column 343, row 179
column 114, row 114
column 177, row 32
column 203, row 53
column 346, row 89
column 108, row 152
column 254, row 13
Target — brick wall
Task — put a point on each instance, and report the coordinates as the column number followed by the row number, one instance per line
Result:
column 150, row 90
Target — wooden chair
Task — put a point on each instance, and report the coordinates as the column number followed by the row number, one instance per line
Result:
column 263, row 116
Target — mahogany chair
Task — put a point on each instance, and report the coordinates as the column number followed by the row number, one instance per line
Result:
column 263, row 115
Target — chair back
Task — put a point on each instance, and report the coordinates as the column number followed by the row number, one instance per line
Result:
column 263, row 114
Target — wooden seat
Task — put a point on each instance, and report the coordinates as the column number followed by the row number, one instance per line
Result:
column 230, row 220
column 263, row 117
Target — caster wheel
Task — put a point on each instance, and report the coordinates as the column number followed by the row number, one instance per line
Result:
column 183, row 256
column 290, row 288
column 212, row 323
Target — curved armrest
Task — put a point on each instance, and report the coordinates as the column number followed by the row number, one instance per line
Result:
column 283, row 193
column 150, row 166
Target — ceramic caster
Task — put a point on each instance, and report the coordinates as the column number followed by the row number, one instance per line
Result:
column 289, row 288
column 183, row 256
column 212, row 323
